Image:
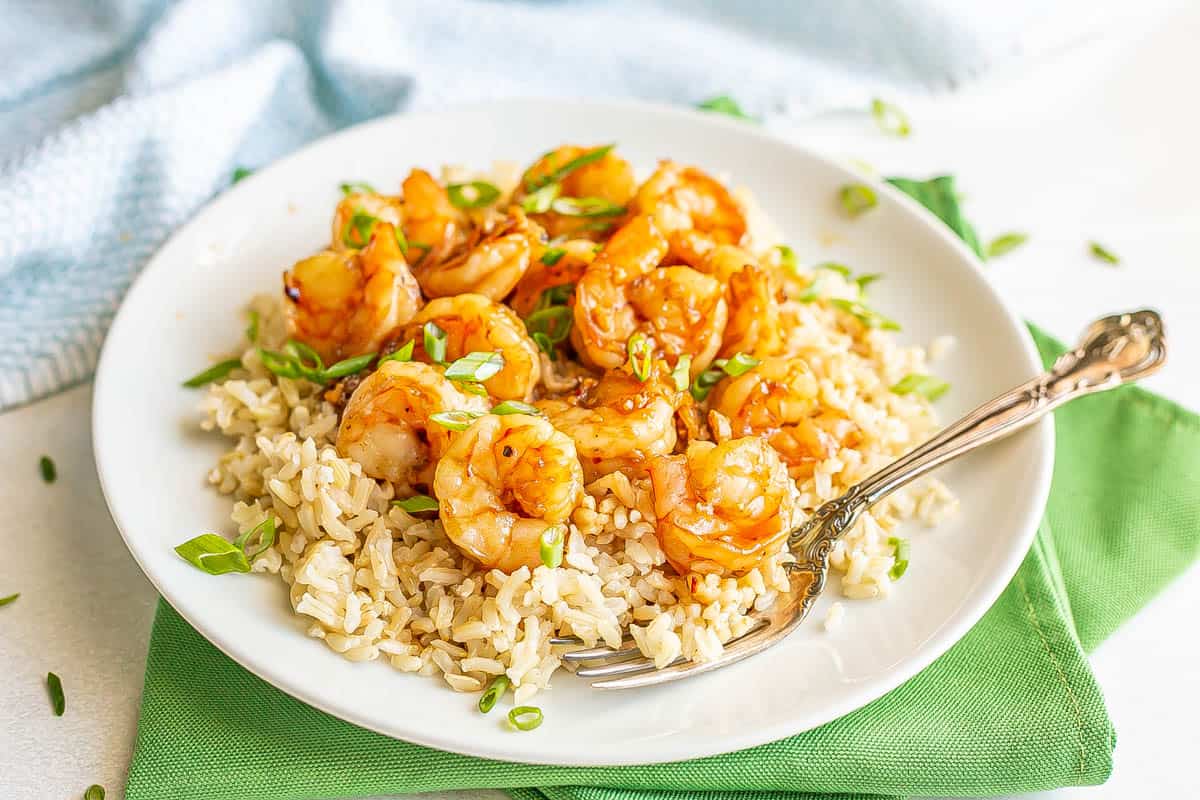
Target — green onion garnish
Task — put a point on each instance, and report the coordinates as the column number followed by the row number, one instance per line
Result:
column 544, row 344
column 48, row 470
column 475, row 366
column 787, row 257
column 890, row 118
column 401, row 241
column 556, row 176
column 525, row 718
column 1005, row 243
column 6, row 600
column 586, row 207
column 866, row 280
column 471, row 387
column 927, row 386
column 435, row 342
column 724, row 104
column 682, row 372
column 539, row 202
column 704, row 383
column 556, row 296
column 94, row 792
column 900, row 554
column 265, row 531
column 495, row 689
column 640, row 355
column 239, row 173
column 867, row 316
column 216, row 372
column 360, row 223
column 1103, row 253
column 515, row 407
column 252, row 328
column 455, row 420
column 551, row 545
column 739, row 364
column 476, row 194
column 346, row 367
column 58, row 700
column 404, row 353
column 357, row 187
column 833, row 266
column 213, row 554
column 857, row 198
column 552, row 256
column 304, row 355
column 554, row 322
column 282, row 364
column 417, row 503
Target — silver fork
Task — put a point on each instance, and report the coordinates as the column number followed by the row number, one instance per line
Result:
column 1114, row 350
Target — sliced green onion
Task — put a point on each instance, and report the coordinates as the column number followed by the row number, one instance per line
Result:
column 417, row 503
column 214, row 373
column 357, row 187
column 556, row 176
column 360, row 223
column 682, row 372
column 6, row 600
column 94, row 792
column 252, row 328
column 494, row 691
column 58, row 700
column 213, row 554
column 833, row 266
column 281, row 364
column 857, row 198
column 739, row 364
column 890, row 118
column 48, row 470
column 866, row 280
column 551, row 545
column 586, row 207
column 1103, row 253
column 900, row 554
column 435, row 342
column 787, row 258
column 475, row 366
column 867, row 316
column 455, row 420
column 515, row 407
column 404, row 353
column 471, row 387
column 539, row 202
column 556, row 296
column 304, row 355
column 347, row 366
column 544, row 344
column 555, row 322
column 724, row 104
column 1005, row 243
column 525, row 718
column 475, row 194
column 704, row 383
column 553, row 256
column 640, row 355
column 239, row 173
column 927, row 386
column 401, row 241
column 265, row 533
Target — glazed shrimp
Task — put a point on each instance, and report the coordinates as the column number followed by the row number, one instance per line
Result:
column 684, row 310
column 344, row 303
column 721, row 507
column 357, row 214
column 472, row 322
column 491, row 266
column 686, row 199
column 502, row 483
column 609, row 178
column 567, row 269
column 431, row 222
column 620, row 421
column 753, row 326
column 386, row 425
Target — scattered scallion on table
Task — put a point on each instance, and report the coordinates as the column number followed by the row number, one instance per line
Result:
column 857, row 199
column 1103, row 253
column 10, row 598
column 724, row 104
column 1005, row 243
column 94, row 792
column 239, row 173
column 58, row 700
column 218, row 371
column 890, row 118
column 417, row 503
column 48, row 470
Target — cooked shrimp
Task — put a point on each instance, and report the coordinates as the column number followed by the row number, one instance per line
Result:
column 502, row 483
column 472, row 323
column 344, row 303
column 357, row 214
column 567, row 269
column 609, row 178
column 684, row 310
column 386, row 425
column 753, row 326
column 491, row 266
column 431, row 222
column 721, row 507
column 683, row 199
column 620, row 421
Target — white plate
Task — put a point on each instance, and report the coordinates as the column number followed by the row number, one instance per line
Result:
column 187, row 307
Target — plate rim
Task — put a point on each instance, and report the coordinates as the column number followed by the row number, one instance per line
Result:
column 855, row 698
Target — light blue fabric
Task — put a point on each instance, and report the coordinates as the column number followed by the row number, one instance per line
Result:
column 119, row 119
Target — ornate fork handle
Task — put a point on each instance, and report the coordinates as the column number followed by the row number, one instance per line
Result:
column 1114, row 350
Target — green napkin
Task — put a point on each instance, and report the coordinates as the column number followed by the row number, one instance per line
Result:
column 1012, row 707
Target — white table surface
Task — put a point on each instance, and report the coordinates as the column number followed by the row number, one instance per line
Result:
column 1096, row 143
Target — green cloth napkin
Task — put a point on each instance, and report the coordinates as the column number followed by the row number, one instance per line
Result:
column 1012, row 707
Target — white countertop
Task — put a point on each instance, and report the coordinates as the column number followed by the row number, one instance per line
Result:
column 1098, row 143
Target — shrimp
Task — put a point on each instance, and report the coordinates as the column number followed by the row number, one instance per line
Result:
column 491, row 266
column 344, row 303
column 685, row 199
column 567, row 269
column 386, row 427
column 622, row 292
column 431, row 222
column 778, row 400
column 609, row 178
column 357, row 214
column 472, row 322
column 753, row 326
column 619, row 422
column 502, row 483
column 721, row 507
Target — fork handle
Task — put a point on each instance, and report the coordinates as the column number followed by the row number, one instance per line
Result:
column 1114, row 350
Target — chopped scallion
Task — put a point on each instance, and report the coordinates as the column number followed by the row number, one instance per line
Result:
column 927, row 386
column 217, row 371
column 867, row 316
column 551, row 545
column 475, row 366
column 724, row 104
column 787, row 258
column 455, row 420
column 58, row 700
column 494, row 691
column 704, row 383
column 739, row 364
column 475, row 194
column 6, row 600
column 264, row 535
column 357, row 232
column 94, row 792
column 346, row 367
column 556, row 176
column 48, row 470
column 554, row 321
column 525, row 718
column 866, row 280
column 544, row 344
column 357, row 187
column 900, row 550
column 1103, row 253
column 1005, row 243
column 471, row 387
column 252, row 328
column 417, row 503
column 556, row 295
column 213, row 554
column 404, row 353
column 682, row 372
column 515, row 407
column 586, row 207
column 239, row 173
column 857, row 198
column 640, row 356
column 552, row 256
column 833, row 266
column 890, row 118
column 435, row 342
column 539, row 202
